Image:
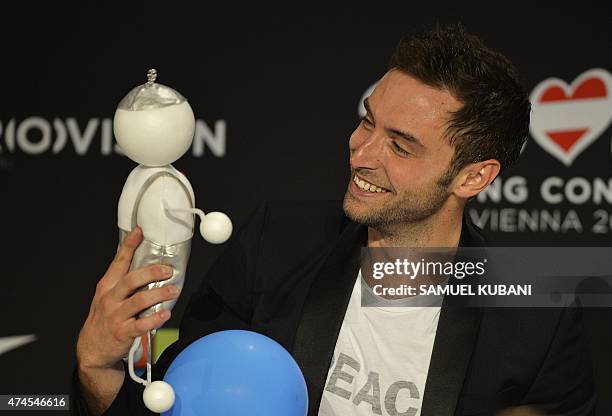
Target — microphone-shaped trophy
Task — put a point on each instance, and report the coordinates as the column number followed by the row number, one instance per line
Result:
column 154, row 126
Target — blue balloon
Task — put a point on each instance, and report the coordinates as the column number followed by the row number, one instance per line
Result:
column 236, row 373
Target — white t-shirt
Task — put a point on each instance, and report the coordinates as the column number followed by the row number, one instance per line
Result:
column 381, row 359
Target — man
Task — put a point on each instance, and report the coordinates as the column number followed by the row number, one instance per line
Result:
column 441, row 124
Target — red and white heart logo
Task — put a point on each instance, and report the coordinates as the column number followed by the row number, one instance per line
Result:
column 566, row 119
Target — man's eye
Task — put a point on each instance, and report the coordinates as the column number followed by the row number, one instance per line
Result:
column 400, row 149
column 366, row 122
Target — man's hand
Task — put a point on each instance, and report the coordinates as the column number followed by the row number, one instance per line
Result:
column 112, row 324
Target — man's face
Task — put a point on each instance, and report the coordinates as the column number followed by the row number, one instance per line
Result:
column 399, row 147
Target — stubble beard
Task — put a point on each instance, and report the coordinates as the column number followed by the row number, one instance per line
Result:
column 408, row 209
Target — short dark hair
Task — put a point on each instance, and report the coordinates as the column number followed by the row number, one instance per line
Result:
column 493, row 122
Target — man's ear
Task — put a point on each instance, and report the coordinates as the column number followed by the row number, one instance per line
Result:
column 475, row 177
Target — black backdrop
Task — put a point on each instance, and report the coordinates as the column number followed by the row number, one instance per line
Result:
column 276, row 92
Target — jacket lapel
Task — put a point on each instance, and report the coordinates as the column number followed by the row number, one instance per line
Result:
column 323, row 312
column 453, row 346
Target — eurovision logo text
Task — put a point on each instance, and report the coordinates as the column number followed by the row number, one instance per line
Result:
column 37, row 135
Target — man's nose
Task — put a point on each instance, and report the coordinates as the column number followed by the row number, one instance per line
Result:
column 366, row 152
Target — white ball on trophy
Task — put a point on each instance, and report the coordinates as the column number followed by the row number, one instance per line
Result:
column 158, row 396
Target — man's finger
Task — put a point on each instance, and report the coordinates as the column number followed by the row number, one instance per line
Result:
column 121, row 263
column 139, row 278
column 145, row 299
column 140, row 326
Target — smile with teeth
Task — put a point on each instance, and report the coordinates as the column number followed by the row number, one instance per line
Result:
column 367, row 186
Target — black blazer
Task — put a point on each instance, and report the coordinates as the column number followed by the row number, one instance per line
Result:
column 288, row 274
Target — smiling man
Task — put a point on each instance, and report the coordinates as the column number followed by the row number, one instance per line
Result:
column 441, row 124
column 400, row 164
column 439, row 127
